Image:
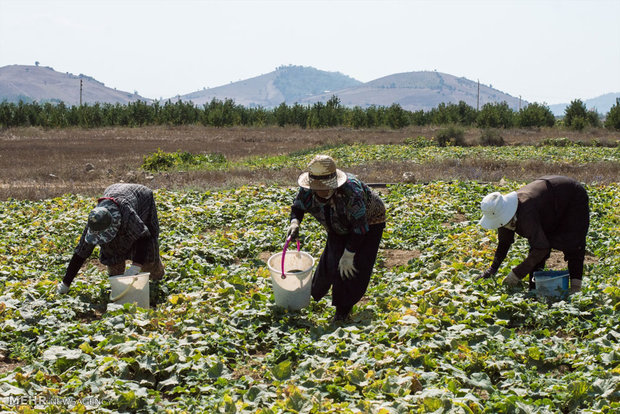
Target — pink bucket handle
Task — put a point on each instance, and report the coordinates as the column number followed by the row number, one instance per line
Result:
column 284, row 253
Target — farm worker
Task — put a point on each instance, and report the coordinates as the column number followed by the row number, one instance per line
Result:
column 354, row 217
column 125, row 226
column 552, row 212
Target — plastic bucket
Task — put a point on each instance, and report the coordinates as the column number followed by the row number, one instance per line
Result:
column 293, row 290
column 130, row 289
column 551, row 283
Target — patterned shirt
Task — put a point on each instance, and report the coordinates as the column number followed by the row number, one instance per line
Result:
column 138, row 220
column 352, row 208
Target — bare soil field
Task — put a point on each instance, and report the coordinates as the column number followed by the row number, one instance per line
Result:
column 36, row 163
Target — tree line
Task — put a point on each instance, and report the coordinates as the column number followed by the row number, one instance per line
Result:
column 332, row 113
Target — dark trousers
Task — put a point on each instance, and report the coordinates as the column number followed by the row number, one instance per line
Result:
column 347, row 292
column 570, row 239
column 156, row 269
column 575, row 258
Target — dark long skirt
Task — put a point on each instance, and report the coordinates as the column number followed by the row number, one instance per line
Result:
column 570, row 239
column 347, row 292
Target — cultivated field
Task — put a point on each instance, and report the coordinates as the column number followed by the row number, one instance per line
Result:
column 37, row 163
column 425, row 338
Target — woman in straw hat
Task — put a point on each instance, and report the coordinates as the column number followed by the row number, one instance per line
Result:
column 354, row 217
column 125, row 226
column 552, row 212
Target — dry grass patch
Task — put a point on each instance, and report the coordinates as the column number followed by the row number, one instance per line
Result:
column 391, row 258
column 36, row 163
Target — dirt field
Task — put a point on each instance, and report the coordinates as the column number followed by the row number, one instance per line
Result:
column 37, row 163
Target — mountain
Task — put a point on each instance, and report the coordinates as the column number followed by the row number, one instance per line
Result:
column 290, row 84
column 287, row 84
column 305, row 85
column 602, row 104
column 44, row 84
column 415, row 91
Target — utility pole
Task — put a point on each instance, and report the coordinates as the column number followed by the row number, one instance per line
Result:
column 80, row 92
column 519, row 102
column 478, row 101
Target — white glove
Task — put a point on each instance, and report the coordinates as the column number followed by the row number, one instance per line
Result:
column 133, row 270
column 293, row 230
column 512, row 280
column 345, row 266
column 62, row 288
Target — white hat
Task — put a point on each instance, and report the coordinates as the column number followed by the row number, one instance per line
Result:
column 322, row 174
column 498, row 210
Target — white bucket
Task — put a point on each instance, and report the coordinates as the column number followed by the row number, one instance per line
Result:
column 293, row 291
column 130, row 289
column 551, row 283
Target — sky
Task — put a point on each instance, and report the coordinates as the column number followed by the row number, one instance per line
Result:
column 545, row 51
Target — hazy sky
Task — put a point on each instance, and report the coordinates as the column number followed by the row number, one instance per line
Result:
column 547, row 51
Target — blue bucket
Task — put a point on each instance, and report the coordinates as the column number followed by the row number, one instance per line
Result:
column 551, row 283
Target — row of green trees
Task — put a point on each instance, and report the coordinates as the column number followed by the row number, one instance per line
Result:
column 319, row 115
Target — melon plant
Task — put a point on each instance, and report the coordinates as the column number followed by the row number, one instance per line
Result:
column 425, row 338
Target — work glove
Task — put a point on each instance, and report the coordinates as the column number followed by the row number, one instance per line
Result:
column 486, row 274
column 345, row 266
column 133, row 270
column 293, row 230
column 61, row 289
column 512, row 280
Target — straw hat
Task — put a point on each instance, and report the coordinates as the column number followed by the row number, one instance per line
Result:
column 103, row 223
column 322, row 174
column 498, row 210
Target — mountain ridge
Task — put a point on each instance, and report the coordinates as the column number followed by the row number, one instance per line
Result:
column 287, row 84
column 602, row 104
column 413, row 91
column 421, row 90
column 44, row 84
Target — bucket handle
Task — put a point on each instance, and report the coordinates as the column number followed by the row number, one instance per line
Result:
column 124, row 292
column 284, row 253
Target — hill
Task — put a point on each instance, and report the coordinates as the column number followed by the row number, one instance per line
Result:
column 415, row 91
column 305, row 85
column 601, row 104
column 44, row 84
column 288, row 84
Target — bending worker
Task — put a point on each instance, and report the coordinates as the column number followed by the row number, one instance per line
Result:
column 125, row 226
column 354, row 217
column 552, row 212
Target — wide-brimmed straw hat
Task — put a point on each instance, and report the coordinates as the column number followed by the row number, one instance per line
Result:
column 103, row 223
column 322, row 174
column 498, row 209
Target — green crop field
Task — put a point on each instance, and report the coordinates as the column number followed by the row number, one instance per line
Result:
column 425, row 338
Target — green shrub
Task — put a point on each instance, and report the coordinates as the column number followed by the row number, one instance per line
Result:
column 158, row 161
column 491, row 138
column 556, row 142
column 576, row 115
column 451, row 136
column 604, row 142
column 495, row 115
column 215, row 158
column 419, row 142
column 579, row 123
column 612, row 120
column 593, row 118
column 461, row 114
column 535, row 115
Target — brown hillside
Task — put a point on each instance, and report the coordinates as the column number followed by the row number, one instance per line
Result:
column 416, row 91
column 44, row 84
